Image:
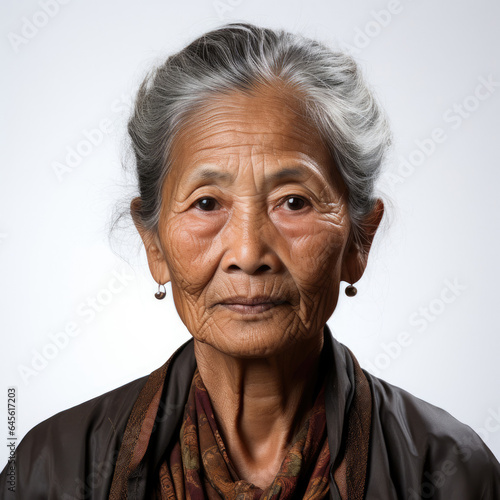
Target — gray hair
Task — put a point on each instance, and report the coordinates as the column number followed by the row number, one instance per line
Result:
column 240, row 56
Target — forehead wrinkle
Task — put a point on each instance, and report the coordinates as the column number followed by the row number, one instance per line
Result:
column 217, row 128
column 229, row 113
column 235, row 138
column 296, row 172
column 277, row 146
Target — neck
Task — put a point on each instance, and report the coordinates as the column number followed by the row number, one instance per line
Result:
column 260, row 403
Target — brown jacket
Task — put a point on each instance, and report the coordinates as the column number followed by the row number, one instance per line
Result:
column 417, row 450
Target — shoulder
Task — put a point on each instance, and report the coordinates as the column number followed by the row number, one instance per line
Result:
column 447, row 455
column 73, row 447
column 101, row 414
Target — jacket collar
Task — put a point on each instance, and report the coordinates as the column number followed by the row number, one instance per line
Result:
column 338, row 394
column 178, row 373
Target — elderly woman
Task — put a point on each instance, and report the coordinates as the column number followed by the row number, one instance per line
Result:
column 257, row 153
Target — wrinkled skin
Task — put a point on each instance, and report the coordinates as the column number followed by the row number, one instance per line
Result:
column 243, row 230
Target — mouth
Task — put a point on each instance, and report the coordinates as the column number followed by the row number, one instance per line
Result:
column 250, row 305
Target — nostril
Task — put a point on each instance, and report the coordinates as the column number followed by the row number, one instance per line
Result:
column 262, row 269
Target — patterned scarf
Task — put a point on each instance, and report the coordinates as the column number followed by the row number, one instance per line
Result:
column 199, row 467
column 180, row 473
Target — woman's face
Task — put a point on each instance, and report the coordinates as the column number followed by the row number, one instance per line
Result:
column 254, row 227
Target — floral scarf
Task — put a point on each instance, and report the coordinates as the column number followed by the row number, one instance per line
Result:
column 180, row 472
column 198, row 466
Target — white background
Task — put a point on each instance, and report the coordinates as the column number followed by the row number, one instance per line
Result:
column 81, row 65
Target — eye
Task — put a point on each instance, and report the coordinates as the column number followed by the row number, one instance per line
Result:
column 295, row 203
column 207, row 204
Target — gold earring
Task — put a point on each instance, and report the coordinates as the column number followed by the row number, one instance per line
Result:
column 161, row 294
column 351, row 291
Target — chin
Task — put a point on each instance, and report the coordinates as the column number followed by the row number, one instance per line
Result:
column 251, row 339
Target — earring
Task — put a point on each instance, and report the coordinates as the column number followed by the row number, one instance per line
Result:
column 351, row 291
column 161, row 294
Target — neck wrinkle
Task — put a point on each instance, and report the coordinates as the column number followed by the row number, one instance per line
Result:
column 259, row 419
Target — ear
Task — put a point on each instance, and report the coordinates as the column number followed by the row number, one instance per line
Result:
column 356, row 253
column 156, row 258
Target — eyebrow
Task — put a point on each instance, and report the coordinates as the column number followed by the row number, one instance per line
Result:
column 207, row 174
column 211, row 174
column 287, row 172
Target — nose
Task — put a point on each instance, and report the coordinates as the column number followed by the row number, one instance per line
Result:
column 250, row 244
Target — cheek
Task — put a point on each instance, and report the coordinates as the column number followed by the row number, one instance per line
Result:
column 315, row 248
column 192, row 251
column 311, row 248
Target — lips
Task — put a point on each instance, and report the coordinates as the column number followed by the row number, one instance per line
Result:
column 251, row 305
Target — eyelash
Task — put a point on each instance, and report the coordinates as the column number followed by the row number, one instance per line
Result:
column 204, row 198
column 280, row 203
column 290, row 196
